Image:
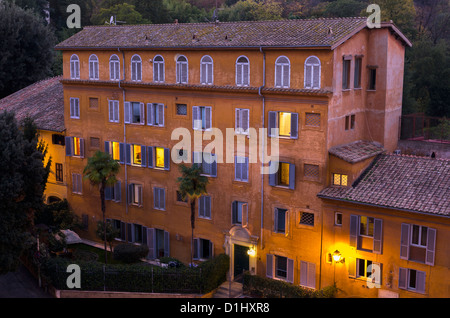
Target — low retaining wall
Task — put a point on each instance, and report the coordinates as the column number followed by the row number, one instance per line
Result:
column 107, row 294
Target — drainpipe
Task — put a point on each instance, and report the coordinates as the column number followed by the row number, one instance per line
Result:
column 263, row 143
column 124, row 131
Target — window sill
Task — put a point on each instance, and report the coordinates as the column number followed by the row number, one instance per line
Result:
column 371, row 90
column 346, row 89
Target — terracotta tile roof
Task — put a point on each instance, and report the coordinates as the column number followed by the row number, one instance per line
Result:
column 357, row 150
column 43, row 101
column 417, row 184
column 284, row 33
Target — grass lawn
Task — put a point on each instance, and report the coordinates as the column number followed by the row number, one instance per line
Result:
column 99, row 251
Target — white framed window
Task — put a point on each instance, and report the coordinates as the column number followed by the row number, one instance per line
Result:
column 338, row 218
column 204, row 207
column 242, row 121
column 312, row 73
column 242, row 71
column 136, row 68
column 136, row 155
column 280, row 267
column 280, row 221
column 207, row 161
column 419, row 234
column 201, row 117
column 155, row 114
column 134, row 113
column 412, row 280
column 93, row 67
column 206, row 70
column 113, row 111
column 116, row 150
column 284, row 175
column 74, row 147
column 114, row 68
column 74, row 108
column 182, row 70
column 239, row 213
column 418, row 243
column 366, row 233
column 134, row 194
column 158, row 69
column 158, row 157
column 283, row 124
column 307, row 274
column 241, row 169
column 203, row 249
column 158, row 242
column 74, row 67
column 159, row 198
column 366, row 226
column 113, row 193
column 282, row 72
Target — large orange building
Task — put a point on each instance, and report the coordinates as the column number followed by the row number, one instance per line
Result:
column 326, row 84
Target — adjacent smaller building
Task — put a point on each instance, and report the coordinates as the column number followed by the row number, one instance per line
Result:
column 43, row 101
column 389, row 230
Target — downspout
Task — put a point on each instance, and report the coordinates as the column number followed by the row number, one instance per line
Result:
column 124, row 131
column 262, row 144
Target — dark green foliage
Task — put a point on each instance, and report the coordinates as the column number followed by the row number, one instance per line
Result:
column 26, row 48
column 57, row 216
column 111, row 232
column 263, row 287
column 130, row 253
column 215, row 270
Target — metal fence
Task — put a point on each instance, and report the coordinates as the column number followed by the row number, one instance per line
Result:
column 421, row 127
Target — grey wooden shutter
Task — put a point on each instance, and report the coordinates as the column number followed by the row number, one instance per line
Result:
column 214, row 166
column 316, row 77
column 143, row 156
column 244, row 169
column 273, row 176
column 234, row 212
column 286, row 76
column 123, row 230
column 142, row 113
column 129, row 232
column 246, row 74
column 184, row 72
column 150, row 156
column 353, row 230
column 118, row 191
column 107, row 146
column 208, row 206
column 203, row 77
column 308, row 71
column 208, row 115
column 292, row 176
column 211, row 249
column 161, row 115
column 269, row 265
column 351, row 267
column 294, row 125
column 237, row 122
column 166, row 244
column 244, row 214
column 237, row 169
column 130, row 193
column 402, row 278
column 245, row 120
column 290, row 270
column 166, row 159
column 303, row 273
column 127, row 112
column 156, row 198
column 378, row 236
column 122, row 153
column 151, row 243
column 239, row 68
column 404, row 241
column 275, row 220
column 81, row 147
column 201, row 206
column 196, row 248
column 420, row 281
column 210, row 73
column 128, row 154
column 108, row 193
column 311, row 275
column 272, row 124
column 196, row 121
column 278, row 74
column 150, row 117
column 69, row 143
column 431, row 244
column 162, row 198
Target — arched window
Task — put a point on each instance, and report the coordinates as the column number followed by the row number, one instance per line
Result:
column 242, row 71
column 74, row 67
column 182, row 70
column 282, row 72
column 158, row 69
column 206, row 70
column 93, row 67
column 312, row 72
column 114, row 68
column 136, row 68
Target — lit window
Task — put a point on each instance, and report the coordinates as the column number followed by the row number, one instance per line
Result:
column 366, row 226
column 115, row 150
column 283, row 174
column 159, row 155
column 283, row 124
column 340, row 179
column 137, row 194
column 76, row 146
column 137, row 158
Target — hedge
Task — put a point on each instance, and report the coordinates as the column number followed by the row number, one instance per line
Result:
column 263, row 287
column 140, row 277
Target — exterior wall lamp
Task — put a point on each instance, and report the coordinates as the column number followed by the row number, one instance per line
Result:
column 337, row 257
column 251, row 251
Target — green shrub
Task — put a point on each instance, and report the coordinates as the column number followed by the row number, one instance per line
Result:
column 130, row 253
column 214, row 272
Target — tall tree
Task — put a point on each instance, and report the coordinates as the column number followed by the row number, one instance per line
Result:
column 26, row 48
column 101, row 171
column 192, row 185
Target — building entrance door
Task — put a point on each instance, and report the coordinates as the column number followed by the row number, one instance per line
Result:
column 241, row 259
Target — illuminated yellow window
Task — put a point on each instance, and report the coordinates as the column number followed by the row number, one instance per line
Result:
column 159, row 155
column 284, row 121
column 283, row 174
column 115, row 150
column 76, row 146
column 137, row 159
column 340, row 179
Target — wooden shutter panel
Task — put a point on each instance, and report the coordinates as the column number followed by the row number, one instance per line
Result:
column 156, row 198
column 244, row 215
column 81, row 147
column 184, row 72
column 143, row 156
column 239, row 68
column 196, row 248
column 130, row 193
column 420, row 281
column 292, row 176
column 123, row 229
column 142, row 113
column 272, row 124
column 290, row 270
column 351, row 267
column 234, row 212
column 203, row 73
column 237, row 122
column 150, row 119
column 246, row 74
column 311, row 275
column 294, row 125
column 402, row 278
column 237, row 169
column 150, row 157
column 273, row 176
column 122, row 153
column 431, row 244
column 308, row 71
column 166, row 159
column 208, row 115
column 107, row 193
column 208, row 206
column 118, row 191
column 196, row 123
column 166, row 244
column 316, row 77
column 162, row 198
column 353, row 230
column 278, row 70
column 286, row 75
column 404, row 241
column 161, row 115
column 269, row 265
column 210, row 73
column 107, row 146
column 378, row 236
column 245, row 121
column 69, row 142
column 127, row 112
column 128, row 154
column 129, row 232
column 303, row 273
column 151, row 243
column 244, row 169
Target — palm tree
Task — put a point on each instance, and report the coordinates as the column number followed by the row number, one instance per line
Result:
column 101, row 171
column 193, row 186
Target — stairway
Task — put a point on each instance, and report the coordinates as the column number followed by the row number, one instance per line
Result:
column 227, row 290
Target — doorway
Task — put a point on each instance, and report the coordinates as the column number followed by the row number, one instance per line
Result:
column 241, row 259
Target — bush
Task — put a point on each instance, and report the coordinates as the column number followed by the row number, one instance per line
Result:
column 214, row 272
column 130, row 253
